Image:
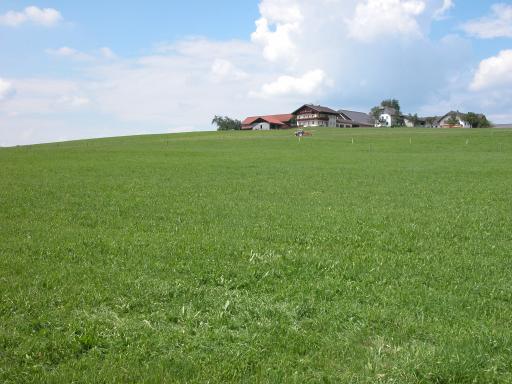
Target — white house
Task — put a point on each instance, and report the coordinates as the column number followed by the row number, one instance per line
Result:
column 453, row 119
column 268, row 122
column 310, row 115
column 388, row 117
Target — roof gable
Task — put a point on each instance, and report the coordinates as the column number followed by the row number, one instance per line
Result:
column 389, row 111
column 272, row 119
column 317, row 108
column 456, row 114
column 358, row 117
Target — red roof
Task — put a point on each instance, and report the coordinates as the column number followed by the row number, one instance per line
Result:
column 272, row 119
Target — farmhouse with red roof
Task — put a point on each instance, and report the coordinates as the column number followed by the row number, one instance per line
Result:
column 309, row 115
column 265, row 123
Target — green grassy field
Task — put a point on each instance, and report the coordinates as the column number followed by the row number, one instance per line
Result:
column 251, row 257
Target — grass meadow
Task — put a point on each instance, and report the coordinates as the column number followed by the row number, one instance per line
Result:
column 354, row 256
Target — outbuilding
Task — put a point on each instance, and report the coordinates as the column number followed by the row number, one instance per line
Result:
column 268, row 122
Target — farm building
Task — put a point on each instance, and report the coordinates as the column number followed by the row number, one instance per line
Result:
column 412, row 121
column 266, row 123
column 358, row 119
column 453, row 119
column 389, row 117
column 310, row 115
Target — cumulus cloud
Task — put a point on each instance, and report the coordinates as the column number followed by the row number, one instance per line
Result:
column 46, row 17
column 298, row 53
column 498, row 24
column 279, row 21
column 305, row 85
column 488, row 89
column 494, row 72
column 183, row 85
column 440, row 13
column 375, row 19
column 225, row 70
column 6, row 89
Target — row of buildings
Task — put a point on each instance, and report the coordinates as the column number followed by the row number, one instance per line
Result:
column 310, row 115
column 389, row 117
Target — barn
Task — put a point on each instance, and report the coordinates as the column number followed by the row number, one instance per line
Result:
column 266, row 123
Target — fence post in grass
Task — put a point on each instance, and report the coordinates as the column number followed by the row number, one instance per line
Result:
column 352, row 140
column 410, row 140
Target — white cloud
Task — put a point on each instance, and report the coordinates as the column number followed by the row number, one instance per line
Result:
column 498, row 24
column 279, row 21
column 487, row 90
column 298, row 53
column 203, row 48
column 107, row 53
column 69, row 53
column 183, row 85
column 440, row 13
column 104, row 53
column 74, row 101
column 308, row 84
column 6, row 89
column 47, row 17
column 378, row 19
column 494, row 72
column 39, row 96
column 225, row 70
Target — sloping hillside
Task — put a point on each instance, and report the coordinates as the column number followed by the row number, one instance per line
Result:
column 352, row 256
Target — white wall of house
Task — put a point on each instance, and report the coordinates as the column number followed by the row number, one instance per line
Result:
column 408, row 123
column 332, row 121
column 462, row 123
column 465, row 124
column 261, row 127
column 386, row 120
column 317, row 123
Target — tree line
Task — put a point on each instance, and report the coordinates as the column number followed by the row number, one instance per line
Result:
column 226, row 123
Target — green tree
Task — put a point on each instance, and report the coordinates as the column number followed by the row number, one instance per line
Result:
column 392, row 103
column 375, row 112
column 226, row 123
column 453, row 120
column 430, row 121
column 389, row 103
column 477, row 120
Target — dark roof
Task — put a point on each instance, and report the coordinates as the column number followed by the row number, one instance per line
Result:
column 422, row 119
column 433, row 118
column 502, row 125
column 318, row 108
column 451, row 113
column 358, row 117
column 389, row 111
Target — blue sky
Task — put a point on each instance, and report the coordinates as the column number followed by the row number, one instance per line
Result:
column 90, row 69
